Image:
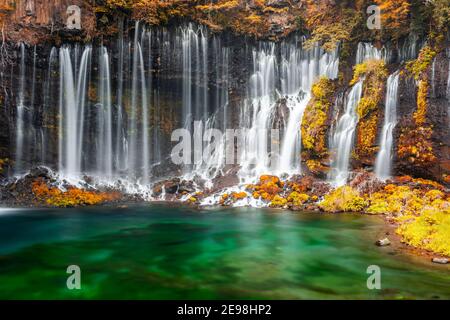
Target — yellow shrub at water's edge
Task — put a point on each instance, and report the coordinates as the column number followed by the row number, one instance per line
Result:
column 423, row 215
column 278, row 202
column 343, row 199
column 297, row 199
column 430, row 230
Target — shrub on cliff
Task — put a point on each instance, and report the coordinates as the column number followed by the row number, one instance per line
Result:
column 375, row 74
column 314, row 124
column 415, row 146
column 395, row 16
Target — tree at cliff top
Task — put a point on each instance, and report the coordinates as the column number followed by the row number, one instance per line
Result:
column 394, row 16
column 330, row 23
column 257, row 18
column 440, row 20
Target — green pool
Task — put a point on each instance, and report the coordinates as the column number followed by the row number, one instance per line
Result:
column 162, row 252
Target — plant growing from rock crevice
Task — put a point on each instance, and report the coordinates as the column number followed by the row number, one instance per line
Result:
column 375, row 74
column 315, row 122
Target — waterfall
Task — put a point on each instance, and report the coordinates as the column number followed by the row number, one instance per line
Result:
column 48, row 92
column 433, row 79
column 448, row 87
column 104, row 118
column 20, row 112
column 383, row 161
column 204, row 72
column 279, row 85
column 72, row 99
column 114, row 106
column 194, row 43
column 145, row 130
column 121, row 148
column 33, row 79
column 342, row 142
column 189, row 40
column 313, row 64
column 367, row 51
column 255, row 158
column 132, row 138
column 195, row 99
column 409, row 50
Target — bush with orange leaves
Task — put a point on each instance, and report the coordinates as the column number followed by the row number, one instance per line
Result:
column 73, row 197
column 267, row 188
column 415, row 146
column 394, row 16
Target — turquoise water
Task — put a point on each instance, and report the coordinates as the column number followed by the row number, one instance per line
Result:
column 160, row 252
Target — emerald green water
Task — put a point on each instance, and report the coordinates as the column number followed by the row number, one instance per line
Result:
column 158, row 252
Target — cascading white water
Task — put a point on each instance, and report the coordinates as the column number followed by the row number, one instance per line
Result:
column 409, row 50
column 262, row 92
column 48, row 93
column 433, row 79
column 215, row 147
column 448, row 87
column 138, row 136
column 20, row 112
column 195, row 98
column 313, row 63
column 121, row 145
column 145, row 131
column 132, row 119
column 343, row 135
column 194, row 46
column 367, row 51
column 290, row 77
column 112, row 136
column 383, row 161
column 203, row 75
column 104, row 118
column 342, row 142
column 72, row 99
column 189, row 39
column 68, row 114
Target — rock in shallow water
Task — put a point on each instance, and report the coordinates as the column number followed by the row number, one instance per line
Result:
column 440, row 260
column 383, row 242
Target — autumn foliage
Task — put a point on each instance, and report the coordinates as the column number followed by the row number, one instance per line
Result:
column 314, row 124
column 375, row 74
column 73, row 197
column 415, row 146
column 394, row 15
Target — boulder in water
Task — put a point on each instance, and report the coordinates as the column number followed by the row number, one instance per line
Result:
column 383, row 242
column 440, row 260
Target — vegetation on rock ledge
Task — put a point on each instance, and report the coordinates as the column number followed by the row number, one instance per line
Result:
column 315, row 124
column 415, row 146
column 375, row 74
column 73, row 197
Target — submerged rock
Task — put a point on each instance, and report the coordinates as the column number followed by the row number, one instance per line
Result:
column 440, row 260
column 383, row 242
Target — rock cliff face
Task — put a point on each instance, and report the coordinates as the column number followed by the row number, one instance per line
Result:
column 437, row 115
column 40, row 25
column 38, row 21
